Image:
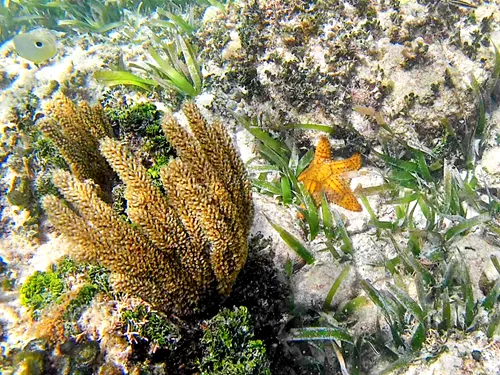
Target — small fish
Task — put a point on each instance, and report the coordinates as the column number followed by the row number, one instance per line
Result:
column 36, row 46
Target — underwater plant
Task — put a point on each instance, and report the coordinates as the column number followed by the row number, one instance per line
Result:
column 296, row 185
column 230, row 347
column 180, row 70
column 181, row 247
column 75, row 130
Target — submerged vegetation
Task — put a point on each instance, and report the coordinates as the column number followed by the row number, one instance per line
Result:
column 98, row 16
column 179, row 70
column 230, row 347
column 431, row 292
column 180, row 250
column 174, row 230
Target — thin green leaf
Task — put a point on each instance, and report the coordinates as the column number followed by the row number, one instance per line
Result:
column 331, row 248
column 468, row 295
column 428, row 212
column 404, row 165
column 192, row 64
column 418, row 338
column 448, row 275
column 275, row 145
column 329, row 228
column 390, row 265
column 414, row 243
column 405, row 179
column 388, row 308
column 368, row 207
column 183, row 25
column 178, row 79
column 465, row 225
column 496, row 263
column 419, row 282
column 401, row 362
column 354, row 305
column 217, row 4
column 272, row 156
column 335, row 286
column 286, row 190
column 410, row 262
column 407, row 198
column 114, row 78
column 496, row 69
column 304, row 161
column 312, row 212
column 494, row 323
column 408, row 302
column 492, row 296
column 161, row 23
column 317, row 127
column 266, row 186
column 347, row 247
column 320, row 333
column 422, row 165
column 264, row 168
column 374, row 220
column 481, row 116
column 446, row 322
column 293, row 161
column 377, row 299
column 448, row 188
column 293, row 242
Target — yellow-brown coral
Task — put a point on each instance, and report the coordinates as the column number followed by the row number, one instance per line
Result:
column 325, row 175
column 76, row 131
column 182, row 244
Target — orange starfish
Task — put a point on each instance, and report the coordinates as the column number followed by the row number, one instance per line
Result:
column 325, row 175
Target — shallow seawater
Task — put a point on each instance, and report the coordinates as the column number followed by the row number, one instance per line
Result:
column 249, row 187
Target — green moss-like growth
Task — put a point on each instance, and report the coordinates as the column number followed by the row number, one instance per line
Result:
column 154, row 171
column 142, row 121
column 96, row 276
column 41, row 289
column 44, row 288
column 76, row 307
column 136, row 118
column 156, row 142
column 47, row 153
column 31, row 363
column 151, row 326
column 96, row 280
column 230, row 348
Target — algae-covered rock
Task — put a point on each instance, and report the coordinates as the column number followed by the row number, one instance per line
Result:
column 414, row 62
column 33, row 358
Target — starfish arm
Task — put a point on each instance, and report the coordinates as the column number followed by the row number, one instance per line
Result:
column 350, row 202
column 306, row 173
column 323, row 151
column 338, row 192
column 310, row 178
column 339, row 166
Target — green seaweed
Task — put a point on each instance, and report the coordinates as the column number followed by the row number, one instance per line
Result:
column 150, row 326
column 230, row 348
column 41, row 289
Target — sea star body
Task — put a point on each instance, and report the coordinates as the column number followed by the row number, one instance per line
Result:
column 325, row 175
